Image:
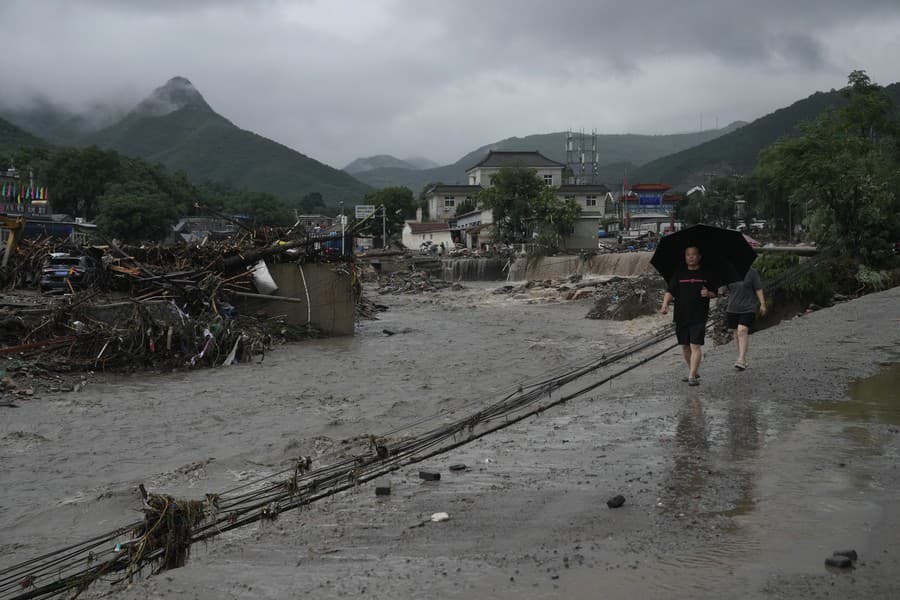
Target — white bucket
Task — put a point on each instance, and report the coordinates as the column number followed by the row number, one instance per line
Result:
column 262, row 279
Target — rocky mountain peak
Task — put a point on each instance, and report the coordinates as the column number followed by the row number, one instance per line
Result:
column 176, row 94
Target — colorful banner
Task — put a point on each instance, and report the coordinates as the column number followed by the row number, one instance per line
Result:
column 10, row 191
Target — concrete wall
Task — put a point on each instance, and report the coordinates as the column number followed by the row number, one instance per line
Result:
column 624, row 264
column 330, row 308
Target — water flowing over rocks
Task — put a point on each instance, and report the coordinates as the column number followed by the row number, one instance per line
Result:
column 624, row 264
column 473, row 269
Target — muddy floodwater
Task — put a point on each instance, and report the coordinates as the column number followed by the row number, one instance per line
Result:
column 738, row 488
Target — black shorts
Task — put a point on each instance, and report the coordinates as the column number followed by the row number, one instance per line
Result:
column 693, row 333
column 735, row 319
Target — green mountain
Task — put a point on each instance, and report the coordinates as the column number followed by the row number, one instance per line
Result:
column 737, row 152
column 379, row 161
column 618, row 153
column 177, row 128
column 420, row 162
column 60, row 125
column 386, row 161
column 13, row 138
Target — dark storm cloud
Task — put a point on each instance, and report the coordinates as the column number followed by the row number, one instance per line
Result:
column 338, row 79
column 626, row 31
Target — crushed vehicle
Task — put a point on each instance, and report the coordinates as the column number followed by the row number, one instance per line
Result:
column 61, row 270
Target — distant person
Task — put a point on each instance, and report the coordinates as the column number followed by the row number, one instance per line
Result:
column 745, row 298
column 690, row 287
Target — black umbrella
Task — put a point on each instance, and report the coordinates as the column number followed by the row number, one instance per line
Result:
column 726, row 255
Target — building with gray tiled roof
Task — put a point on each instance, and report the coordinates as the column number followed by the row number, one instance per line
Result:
column 548, row 170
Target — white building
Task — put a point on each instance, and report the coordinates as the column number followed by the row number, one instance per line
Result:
column 597, row 205
column 472, row 229
column 415, row 234
column 443, row 200
column 547, row 170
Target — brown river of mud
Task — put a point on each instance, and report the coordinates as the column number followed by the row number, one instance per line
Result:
column 736, row 489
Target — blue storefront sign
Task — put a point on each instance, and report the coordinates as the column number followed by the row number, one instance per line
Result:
column 649, row 198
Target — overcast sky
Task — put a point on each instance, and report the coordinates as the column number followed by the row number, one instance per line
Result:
column 339, row 79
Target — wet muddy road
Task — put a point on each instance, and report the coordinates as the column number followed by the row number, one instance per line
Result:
column 736, row 489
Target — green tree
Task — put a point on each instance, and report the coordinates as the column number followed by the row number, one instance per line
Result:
column 844, row 170
column 263, row 209
column 78, row 177
column 511, row 195
column 465, row 206
column 399, row 204
column 716, row 206
column 312, row 204
column 135, row 212
column 181, row 192
column 259, row 207
column 553, row 219
column 523, row 206
column 30, row 160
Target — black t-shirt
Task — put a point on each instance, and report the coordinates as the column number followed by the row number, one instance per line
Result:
column 685, row 286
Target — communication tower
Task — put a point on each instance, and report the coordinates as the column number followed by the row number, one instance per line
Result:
column 582, row 157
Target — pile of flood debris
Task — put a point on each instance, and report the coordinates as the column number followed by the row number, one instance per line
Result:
column 621, row 298
column 615, row 298
column 101, row 307
column 413, row 282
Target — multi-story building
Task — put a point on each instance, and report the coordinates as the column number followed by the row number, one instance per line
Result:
column 471, row 228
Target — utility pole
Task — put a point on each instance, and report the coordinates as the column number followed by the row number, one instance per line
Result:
column 383, row 227
column 790, row 225
column 343, row 223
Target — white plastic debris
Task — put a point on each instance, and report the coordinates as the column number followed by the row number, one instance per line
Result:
column 262, row 279
column 439, row 517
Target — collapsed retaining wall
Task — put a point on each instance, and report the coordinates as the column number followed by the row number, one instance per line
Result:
column 623, row 264
column 322, row 296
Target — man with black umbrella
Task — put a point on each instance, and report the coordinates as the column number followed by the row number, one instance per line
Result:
column 691, row 288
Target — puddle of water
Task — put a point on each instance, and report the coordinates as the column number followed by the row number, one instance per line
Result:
column 873, row 399
column 788, row 509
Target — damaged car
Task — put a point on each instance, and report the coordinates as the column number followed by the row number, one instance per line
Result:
column 62, row 271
